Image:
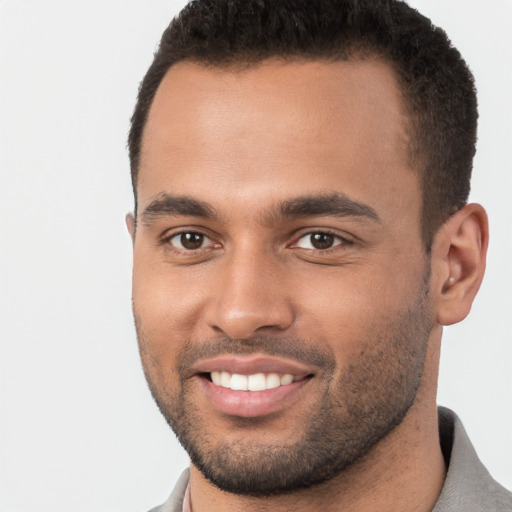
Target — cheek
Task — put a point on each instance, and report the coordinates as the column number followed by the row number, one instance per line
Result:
column 344, row 298
column 161, row 330
column 168, row 303
column 350, row 311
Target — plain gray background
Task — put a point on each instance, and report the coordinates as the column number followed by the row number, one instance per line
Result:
column 78, row 429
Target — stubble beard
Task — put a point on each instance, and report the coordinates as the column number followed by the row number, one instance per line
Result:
column 355, row 412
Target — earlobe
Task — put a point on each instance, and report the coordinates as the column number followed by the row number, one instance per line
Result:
column 459, row 252
column 130, row 224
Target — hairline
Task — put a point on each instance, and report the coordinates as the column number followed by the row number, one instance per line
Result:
column 417, row 160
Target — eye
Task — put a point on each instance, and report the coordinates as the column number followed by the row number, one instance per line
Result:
column 319, row 240
column 189, row 241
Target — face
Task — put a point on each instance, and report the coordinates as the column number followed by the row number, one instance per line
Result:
column 280, row 285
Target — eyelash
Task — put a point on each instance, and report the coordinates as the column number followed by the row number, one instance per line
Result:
column 166, row 241
column 342, row 241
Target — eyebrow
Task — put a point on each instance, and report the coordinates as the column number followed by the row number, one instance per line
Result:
column 335, row 205
column 167, row 205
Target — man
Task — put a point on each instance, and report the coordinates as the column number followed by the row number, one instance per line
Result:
column 301, row 235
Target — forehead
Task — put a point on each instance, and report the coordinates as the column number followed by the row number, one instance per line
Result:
column 278, row 127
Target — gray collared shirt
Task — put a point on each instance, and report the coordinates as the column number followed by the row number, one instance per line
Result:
column 468, row 486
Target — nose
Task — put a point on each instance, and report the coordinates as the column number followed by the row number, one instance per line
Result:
column 250, row 296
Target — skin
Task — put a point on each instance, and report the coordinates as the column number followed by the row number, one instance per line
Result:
column 243, row 142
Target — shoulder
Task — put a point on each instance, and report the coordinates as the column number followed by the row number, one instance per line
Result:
column 175, row 501
column 468, row 485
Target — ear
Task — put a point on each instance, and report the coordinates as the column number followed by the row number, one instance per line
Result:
column 130, row 224
column 458, row 262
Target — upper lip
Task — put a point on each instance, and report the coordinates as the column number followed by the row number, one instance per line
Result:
column 249, row 365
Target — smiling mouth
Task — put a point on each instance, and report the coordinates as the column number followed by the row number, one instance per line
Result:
column 252, row 387
column 253, row 382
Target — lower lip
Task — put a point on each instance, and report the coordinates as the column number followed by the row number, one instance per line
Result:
column 250, row 404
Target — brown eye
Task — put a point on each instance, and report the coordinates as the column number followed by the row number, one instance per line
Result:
column 322, row 240
column 189, row 240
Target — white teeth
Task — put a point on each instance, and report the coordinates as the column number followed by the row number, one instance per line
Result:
column 255, row 382
column 273, row 381
column 286, row 379
column 238, row 382
column 225, row 379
